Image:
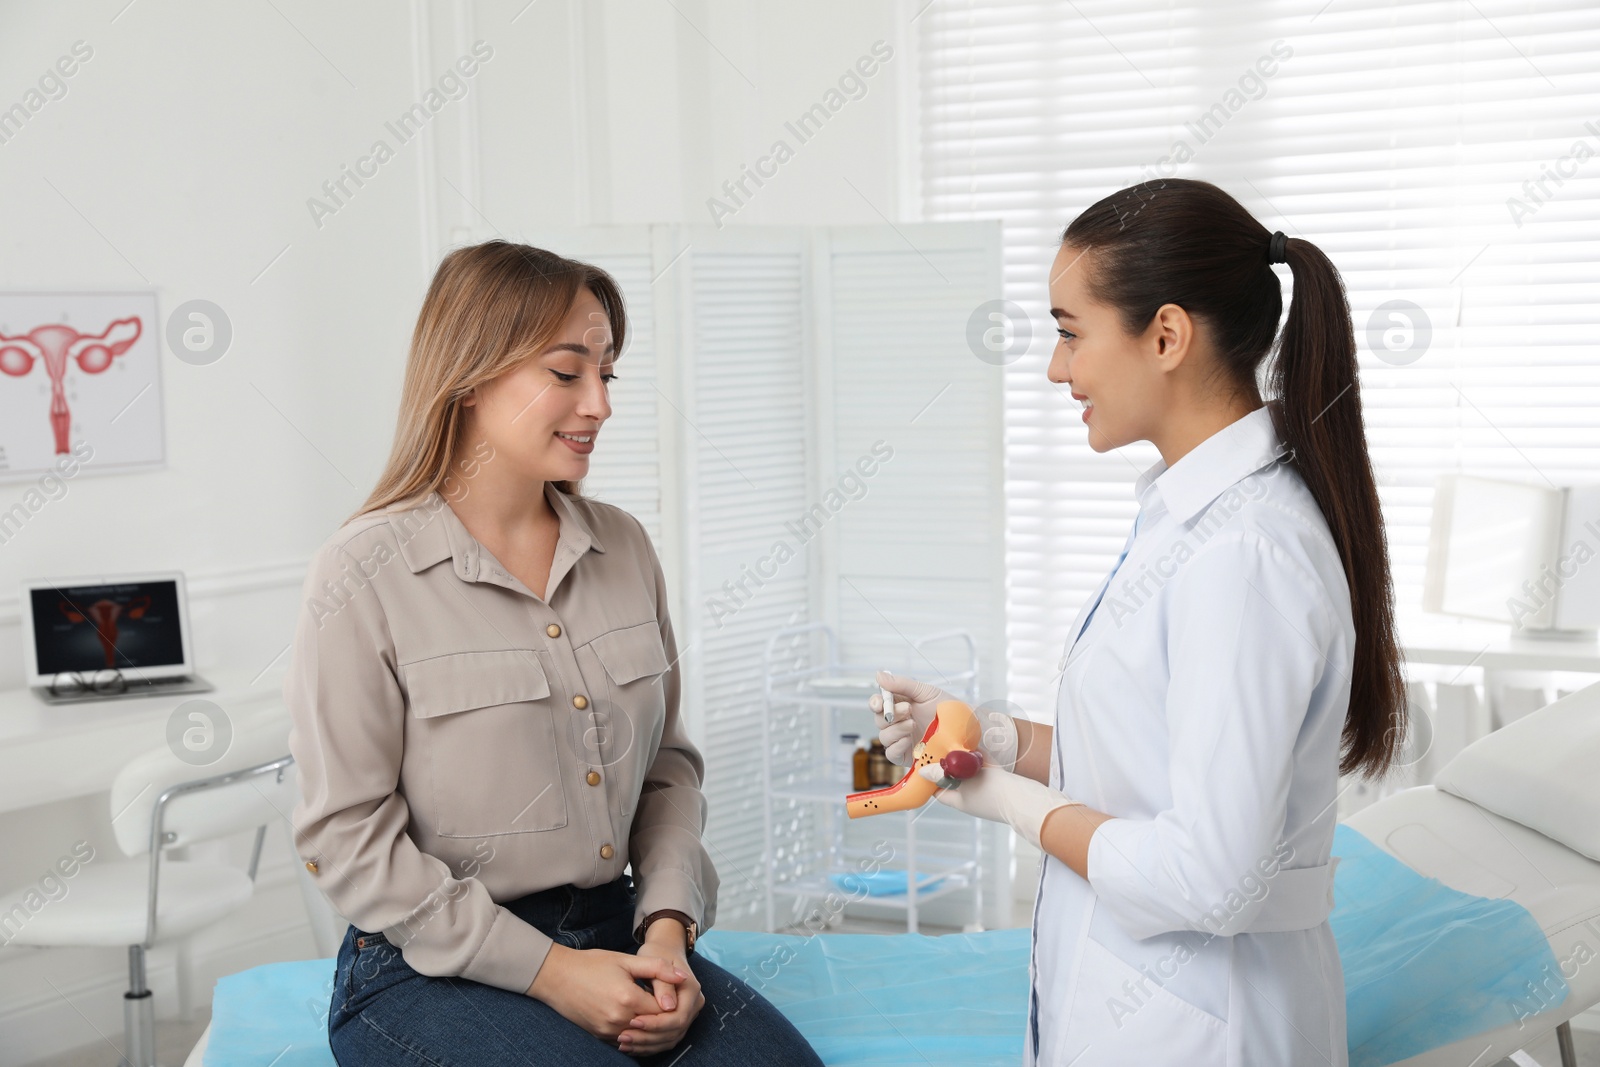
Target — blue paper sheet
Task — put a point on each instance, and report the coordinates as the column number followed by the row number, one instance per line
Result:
column 272, row 1009
column 1424, row 966
column 860, row 999
column 871, row 999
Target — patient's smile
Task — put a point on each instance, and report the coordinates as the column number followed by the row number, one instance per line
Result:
column 582, row 443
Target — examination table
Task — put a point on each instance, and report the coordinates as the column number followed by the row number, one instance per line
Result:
column 1467, row 914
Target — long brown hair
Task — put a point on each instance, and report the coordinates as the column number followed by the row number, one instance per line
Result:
column 1185, row 242
column 490, row 307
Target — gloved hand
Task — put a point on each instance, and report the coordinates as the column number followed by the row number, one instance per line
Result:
column 914, row 708
column 1001, row 796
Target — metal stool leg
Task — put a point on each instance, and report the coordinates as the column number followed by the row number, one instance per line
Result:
column 138, row 1013
column 1569, row 1055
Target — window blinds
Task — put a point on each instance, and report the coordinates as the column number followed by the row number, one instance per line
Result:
column 1446, row 156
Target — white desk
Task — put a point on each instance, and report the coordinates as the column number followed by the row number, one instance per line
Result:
column 1494, row 648
column 53, row 752
column 1467, row 679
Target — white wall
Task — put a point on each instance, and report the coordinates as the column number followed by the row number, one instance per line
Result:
column 181, row 159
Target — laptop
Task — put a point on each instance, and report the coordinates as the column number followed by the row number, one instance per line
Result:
column 108, row 638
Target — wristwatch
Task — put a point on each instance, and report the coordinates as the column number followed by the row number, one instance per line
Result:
column 691, row 929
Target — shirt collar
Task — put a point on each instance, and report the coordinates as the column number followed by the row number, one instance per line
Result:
column 430, row 532
column 1241, row 448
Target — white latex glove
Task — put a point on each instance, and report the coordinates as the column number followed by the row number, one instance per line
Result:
column 1001, row 796
column 914, row 708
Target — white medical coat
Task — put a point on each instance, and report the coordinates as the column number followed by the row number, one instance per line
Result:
column 1202, row 706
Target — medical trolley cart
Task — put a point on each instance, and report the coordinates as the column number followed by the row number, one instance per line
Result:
column 805, row 677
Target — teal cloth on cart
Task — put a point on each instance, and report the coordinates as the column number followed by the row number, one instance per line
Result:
column 882, row 883
column 1426, row 965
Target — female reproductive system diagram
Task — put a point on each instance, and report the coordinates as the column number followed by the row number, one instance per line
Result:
column 79, row 369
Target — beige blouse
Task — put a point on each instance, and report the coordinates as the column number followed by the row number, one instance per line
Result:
column 462, row 742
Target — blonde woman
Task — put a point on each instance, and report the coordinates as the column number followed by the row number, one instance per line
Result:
column 485, row 717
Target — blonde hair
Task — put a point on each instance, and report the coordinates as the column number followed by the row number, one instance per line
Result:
column 490, row 307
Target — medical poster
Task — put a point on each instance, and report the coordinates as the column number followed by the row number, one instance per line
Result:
column 80, row 383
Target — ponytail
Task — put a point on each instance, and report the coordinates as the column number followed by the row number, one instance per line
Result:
column 1318, row 415
column 1185, row 242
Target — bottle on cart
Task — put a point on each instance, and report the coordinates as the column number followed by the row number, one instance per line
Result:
column 860, row 779
column 847, row 750
column 879, row 770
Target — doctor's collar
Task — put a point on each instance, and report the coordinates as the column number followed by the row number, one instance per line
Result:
column 1234, row 452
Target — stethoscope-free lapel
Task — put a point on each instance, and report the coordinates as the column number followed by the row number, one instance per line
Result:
column 1080, row 625
column 1086, row 614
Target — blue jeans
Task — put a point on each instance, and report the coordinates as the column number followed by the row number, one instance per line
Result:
column 385, row 1013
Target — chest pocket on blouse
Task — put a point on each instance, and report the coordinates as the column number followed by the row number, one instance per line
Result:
column 487, row 739
column 635, row 661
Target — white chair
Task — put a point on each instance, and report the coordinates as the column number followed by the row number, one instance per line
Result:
column 160, row 802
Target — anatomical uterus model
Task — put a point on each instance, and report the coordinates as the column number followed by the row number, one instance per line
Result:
column 103, row 615
column 951, row 741
column 55, row 344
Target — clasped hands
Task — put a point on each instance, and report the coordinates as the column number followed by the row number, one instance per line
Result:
column 995, row 793
column 599, row 990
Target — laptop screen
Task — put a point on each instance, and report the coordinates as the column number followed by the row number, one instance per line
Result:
column 127, row 626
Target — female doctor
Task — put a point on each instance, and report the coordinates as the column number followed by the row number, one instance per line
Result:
column 1239, row 657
